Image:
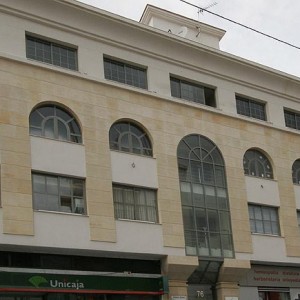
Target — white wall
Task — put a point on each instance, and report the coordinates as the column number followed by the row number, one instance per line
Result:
column 262, row 191
column 51, row 229
column 57, row 157
column 133, row 169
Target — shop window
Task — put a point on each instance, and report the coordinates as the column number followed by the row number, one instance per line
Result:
column 192, row 92
column 250, row 108
column 273, row 294
column 135, row 203
column 54, row 122
column 292, row 119
column 51, row 53
column 125, row 73
column 204, row 198
column 257, row 164
column 264, row 219
column 128, row 137
column 58, row 193
column 296, row 172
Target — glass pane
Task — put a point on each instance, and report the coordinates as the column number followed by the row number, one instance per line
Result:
column 78, row 187
column 198, row 195
column 52, row 185
column 203, row 248
column 62, row 131
column 46, row 111
column 215, row 244
column 35, row 119
column 213, row 221
column 65, row 186
column 39, row 184
column 227, row 246
column 201, row 222
column 52, row 203
column 49, row 129
column 188, row 218
column 186, row 193
column 210, row 197
column 224, row 222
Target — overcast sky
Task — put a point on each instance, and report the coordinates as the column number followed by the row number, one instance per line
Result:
column 278, row 18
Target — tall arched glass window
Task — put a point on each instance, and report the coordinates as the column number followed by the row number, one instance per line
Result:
column 257, row 164
column 128, row 137
column 53, row 122
column 204, row 198
column 296, row 171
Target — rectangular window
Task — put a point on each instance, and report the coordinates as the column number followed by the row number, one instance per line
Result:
column 125, row 73
column 298, row 217
column 192, row 92
column 57, row 193
column 292, row 119
column 250, row 108
column 51, row 53
column 264, row 219
column 135, row 203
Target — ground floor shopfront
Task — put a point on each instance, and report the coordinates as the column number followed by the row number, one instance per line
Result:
column 66, row 286
column 265, row 282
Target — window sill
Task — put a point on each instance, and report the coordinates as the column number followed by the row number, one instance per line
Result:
column 59, row 212
column 138, row 221
column 266, row 235
column 262, row 178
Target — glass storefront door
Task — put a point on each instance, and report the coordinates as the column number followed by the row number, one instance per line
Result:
column 274, row 296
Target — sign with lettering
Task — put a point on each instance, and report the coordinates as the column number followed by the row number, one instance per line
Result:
column 13, row 281
column 272, row 276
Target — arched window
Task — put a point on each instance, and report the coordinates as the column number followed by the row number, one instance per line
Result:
column 204, row 199
column 128, row 137
column 257, row 164
column 53, row 122
column 296, row 171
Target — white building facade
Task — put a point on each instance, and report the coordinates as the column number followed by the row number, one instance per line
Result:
column 140, row 161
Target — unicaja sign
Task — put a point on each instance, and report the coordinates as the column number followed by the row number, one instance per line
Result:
column 66, row 284
column 39, row 281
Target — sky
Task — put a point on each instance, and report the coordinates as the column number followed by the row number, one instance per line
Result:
column 278, row 18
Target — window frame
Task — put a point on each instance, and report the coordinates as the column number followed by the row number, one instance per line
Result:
column 179, row 91
column 126, row 68
column 61, row 196
column 296, row 118
column 251, row 109
column 255, row 221
column 134, row 189
column 52, row 44
column 204, row 198
column 265, row 163
column 145, row 146
column 296, row 172
column 59, row 113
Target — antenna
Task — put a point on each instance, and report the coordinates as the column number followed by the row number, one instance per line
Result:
column 201, row 9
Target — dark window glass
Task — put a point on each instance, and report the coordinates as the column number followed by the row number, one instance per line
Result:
column 292, row 119
column 264, row 219
column 56, row 193
column 125, row 73
column 250, row 108
column 135, row 203
column 51, row 53
column 128, row 137
column 204, row 199
column 192, row 92
column 298, row 217
column 257, row 164
column 296, row 171
column 53, row 122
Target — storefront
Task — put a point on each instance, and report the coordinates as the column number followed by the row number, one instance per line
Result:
column 50, row 286
column 271, row 283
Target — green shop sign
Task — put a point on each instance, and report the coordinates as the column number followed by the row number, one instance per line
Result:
column 11, row 281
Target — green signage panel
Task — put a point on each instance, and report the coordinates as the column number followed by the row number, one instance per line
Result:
column 81, row 283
